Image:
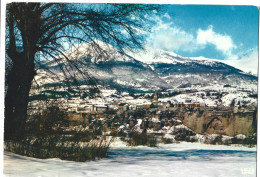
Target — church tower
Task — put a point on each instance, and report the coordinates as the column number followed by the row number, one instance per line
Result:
column 155, row 97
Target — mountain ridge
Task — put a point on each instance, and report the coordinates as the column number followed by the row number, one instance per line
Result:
column 168, row 70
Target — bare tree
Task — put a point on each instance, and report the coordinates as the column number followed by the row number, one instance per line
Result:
column 36, row 32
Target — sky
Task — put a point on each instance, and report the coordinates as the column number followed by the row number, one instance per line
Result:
column 225, row 32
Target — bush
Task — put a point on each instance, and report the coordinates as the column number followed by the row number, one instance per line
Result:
column 250, row 141
column 91, row 151
column 167, row 140
column 152, row 141
column 213, row 139
column 137, row 139
column 121, row 133
column 59, row 147
column 139, row 113
column 48, row 122
column 81, row 136
column 110, row 111
column 183, row 134
column 48, row 138
column 51, row 117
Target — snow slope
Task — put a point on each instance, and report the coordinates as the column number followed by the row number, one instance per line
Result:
column 181, row 160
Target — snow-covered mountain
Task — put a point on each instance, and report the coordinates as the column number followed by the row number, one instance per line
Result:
column 200, row 71
column 160, row 70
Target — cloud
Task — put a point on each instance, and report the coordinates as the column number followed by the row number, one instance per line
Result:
column 166, row 15
column 222, row 43
column 173, row 39
column 167, row 36
column 247, row 63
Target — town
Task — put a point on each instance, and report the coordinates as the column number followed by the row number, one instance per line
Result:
column 228, row 111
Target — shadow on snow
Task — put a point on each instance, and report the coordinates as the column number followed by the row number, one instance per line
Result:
column 125, row 155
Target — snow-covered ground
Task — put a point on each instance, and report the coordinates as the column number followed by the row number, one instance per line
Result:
column 180, row 160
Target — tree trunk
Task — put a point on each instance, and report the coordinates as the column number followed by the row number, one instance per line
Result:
column 16, row 101
column 19, row 79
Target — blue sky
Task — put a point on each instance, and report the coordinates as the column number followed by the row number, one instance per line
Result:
column 227, row 33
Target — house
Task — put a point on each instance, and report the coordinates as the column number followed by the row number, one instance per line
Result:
column 84, row 109
column 132, row 107
column 101, row 108
column 192, row 105
column 72, row 109
column 123, row 106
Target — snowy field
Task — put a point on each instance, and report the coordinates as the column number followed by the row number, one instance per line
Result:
column 177, row 160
